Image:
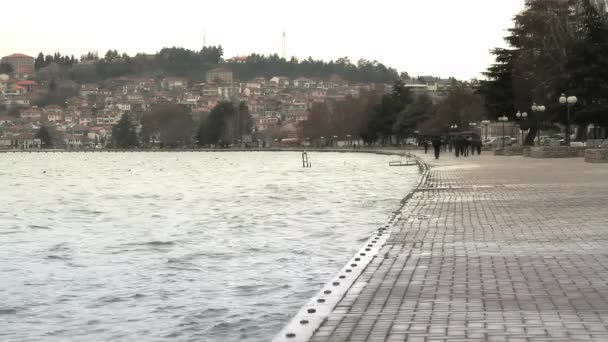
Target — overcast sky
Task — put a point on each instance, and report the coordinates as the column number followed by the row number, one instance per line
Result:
column 423, row 37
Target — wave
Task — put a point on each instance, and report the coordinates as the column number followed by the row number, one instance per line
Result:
column 63, row 246
column 160, row 243
column 110, row 299
column 33, row 226
column 57, row 257
column 8, row 311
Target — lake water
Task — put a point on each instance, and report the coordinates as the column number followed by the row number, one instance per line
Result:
column 179, row 246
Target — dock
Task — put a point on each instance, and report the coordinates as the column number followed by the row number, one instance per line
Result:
column 485, row 248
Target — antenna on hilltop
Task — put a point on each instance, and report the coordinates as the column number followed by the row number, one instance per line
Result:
column 284, row 45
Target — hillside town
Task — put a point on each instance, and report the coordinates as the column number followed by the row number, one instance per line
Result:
column 277, row 104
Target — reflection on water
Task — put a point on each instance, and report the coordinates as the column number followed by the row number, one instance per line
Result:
column 179, row 246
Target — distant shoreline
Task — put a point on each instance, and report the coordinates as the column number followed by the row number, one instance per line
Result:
column 381, row 150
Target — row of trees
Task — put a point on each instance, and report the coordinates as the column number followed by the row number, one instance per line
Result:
column 193, row 64
column 173, row 126
column 555, row 47
column 378, row 117
column 43, row 61
column 267, row 66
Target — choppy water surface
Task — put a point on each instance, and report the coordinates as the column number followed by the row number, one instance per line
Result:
column 179, row 246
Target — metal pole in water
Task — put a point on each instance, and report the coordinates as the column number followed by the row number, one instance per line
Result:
column 305, row 162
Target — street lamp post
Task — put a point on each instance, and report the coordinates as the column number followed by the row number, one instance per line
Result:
column 485, row 123
column 452, row 139
column 568, row 101
column 523, row 116
column 503, row 119
column 538, row 110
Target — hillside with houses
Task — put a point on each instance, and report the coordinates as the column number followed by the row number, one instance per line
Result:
column 80, row 114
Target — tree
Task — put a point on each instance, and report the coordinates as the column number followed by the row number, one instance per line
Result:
column 318, row 123
column 6, row 68
column 588, row 65
column 216, row 122
column 380, row 121
column 340, row 117
column 498, row 90
column 460, row 107
column 45, row 137
column 533, row 68
column 171, row 124
column 123, row 133
column 412, row 116
column 39, row 62
column 201, row 133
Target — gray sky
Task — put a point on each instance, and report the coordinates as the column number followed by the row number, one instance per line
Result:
column 423, row 37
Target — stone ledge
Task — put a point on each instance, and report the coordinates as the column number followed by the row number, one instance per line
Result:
column 509, row 151
column 596, row 155
column 557, row 152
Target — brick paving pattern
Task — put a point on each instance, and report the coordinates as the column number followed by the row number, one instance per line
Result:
column 489, row 249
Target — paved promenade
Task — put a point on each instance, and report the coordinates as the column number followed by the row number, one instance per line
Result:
column 488, row 249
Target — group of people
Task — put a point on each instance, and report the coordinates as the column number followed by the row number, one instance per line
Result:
column 460, row 145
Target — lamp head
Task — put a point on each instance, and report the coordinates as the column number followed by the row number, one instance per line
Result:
column 572, row 100
column 563, row 99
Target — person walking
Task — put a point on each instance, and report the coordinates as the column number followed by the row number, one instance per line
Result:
column 473, row 147
column 437, row 147
column 478, row 145
column 426, row 146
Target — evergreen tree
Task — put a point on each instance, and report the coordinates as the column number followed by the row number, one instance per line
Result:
column 6, row 68
column 218, row 126
column 497, row 89
column 201, row 134
column 412, row 116
column 588, row 65
column 533, row 68
column 39, row 62
column 45, row 137
column 123, row 134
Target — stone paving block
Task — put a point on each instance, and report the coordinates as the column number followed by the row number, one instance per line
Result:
column 489, row 249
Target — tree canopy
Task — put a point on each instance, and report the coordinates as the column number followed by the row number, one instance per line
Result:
column 169, row 124
column 45, row 137
column 225, row 125
column 124, row 134
column 6, row 68
column 268, row 66
column 192, row 64
column 554, row 47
